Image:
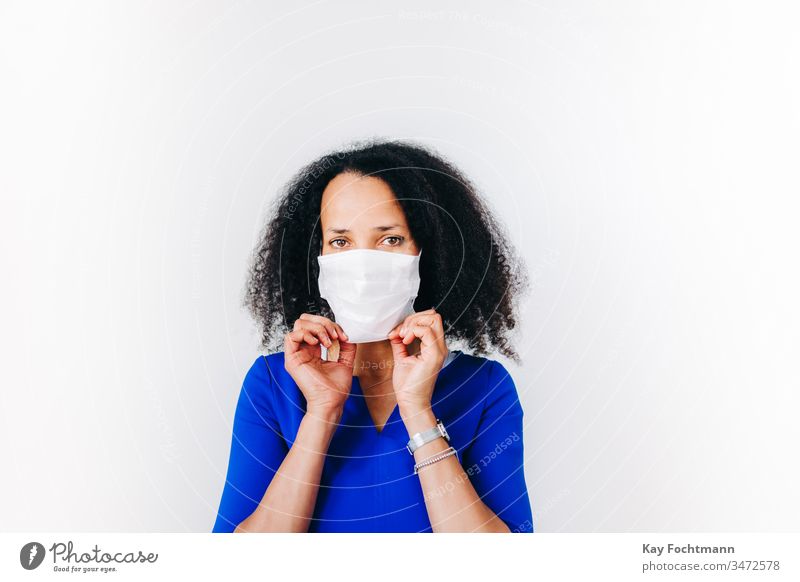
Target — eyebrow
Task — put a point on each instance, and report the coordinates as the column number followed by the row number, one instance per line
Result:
column 379, row 228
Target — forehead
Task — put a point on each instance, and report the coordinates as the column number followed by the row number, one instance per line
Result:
column 350, row 199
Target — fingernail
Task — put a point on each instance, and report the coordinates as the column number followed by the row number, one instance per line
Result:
column 403, row 330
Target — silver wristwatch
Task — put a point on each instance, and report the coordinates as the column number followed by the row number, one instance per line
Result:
column 427, row 436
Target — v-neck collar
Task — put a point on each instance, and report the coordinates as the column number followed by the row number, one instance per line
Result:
column 394, row 420
column 364, row 410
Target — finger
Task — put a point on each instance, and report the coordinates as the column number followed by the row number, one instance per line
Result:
column 395, row 331
column 296, row 338
column 291, row 342
column 412, row 333
column 403, row 327
column 425, row 333
column 437, row 325
column 324, row 321
column 340, row 331
column 318, row 330
column 431, row 310
column 424, row 320
column 322, row 333
column 407, row 331
column 412, row 319
column 432, row 319
column 293, row 348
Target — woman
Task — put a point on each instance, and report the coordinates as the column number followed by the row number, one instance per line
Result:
column 395, row 433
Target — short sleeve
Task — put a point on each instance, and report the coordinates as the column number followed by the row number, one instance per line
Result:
column 257, row 449
column 494, row 460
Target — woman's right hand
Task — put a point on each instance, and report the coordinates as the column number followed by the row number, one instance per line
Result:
column 325, row 385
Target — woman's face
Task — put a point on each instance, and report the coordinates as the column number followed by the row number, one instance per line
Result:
column 361, row 212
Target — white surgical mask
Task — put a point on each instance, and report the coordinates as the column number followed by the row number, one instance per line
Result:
column 370, row 292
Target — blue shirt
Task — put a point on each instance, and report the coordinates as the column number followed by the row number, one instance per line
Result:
column 368, row 482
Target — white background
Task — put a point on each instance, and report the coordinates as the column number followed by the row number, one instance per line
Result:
column 643, row 156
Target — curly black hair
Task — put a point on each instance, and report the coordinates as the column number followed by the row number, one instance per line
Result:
column 469, row 271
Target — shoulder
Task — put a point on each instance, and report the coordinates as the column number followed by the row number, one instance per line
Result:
column 257, row 387
column 493, row 380
column 258, row 373
column 267, row 368
column 489, row 378
column 268, row 375
column 481, row 369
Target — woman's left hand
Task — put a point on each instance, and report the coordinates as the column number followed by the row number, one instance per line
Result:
column 414, row 376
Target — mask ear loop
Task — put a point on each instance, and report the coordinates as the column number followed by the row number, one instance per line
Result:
column 414, row 299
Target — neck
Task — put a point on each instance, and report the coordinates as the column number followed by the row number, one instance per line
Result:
column 375, row 362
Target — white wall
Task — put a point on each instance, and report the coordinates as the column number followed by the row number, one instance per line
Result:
column 642, row 154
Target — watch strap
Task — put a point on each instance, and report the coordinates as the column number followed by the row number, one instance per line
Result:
column 426, row 436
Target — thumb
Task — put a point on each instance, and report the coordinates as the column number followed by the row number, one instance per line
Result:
column 347, row 353
column 399, row 349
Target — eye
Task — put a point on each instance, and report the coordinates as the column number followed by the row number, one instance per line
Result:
column 398, row 240
column 338, row 240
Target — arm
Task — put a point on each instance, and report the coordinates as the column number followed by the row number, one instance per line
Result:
column 289, row 501
column 263, row 468
column 290, row 498
column 491, row 495
column 453, row 504
column 492, row 500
